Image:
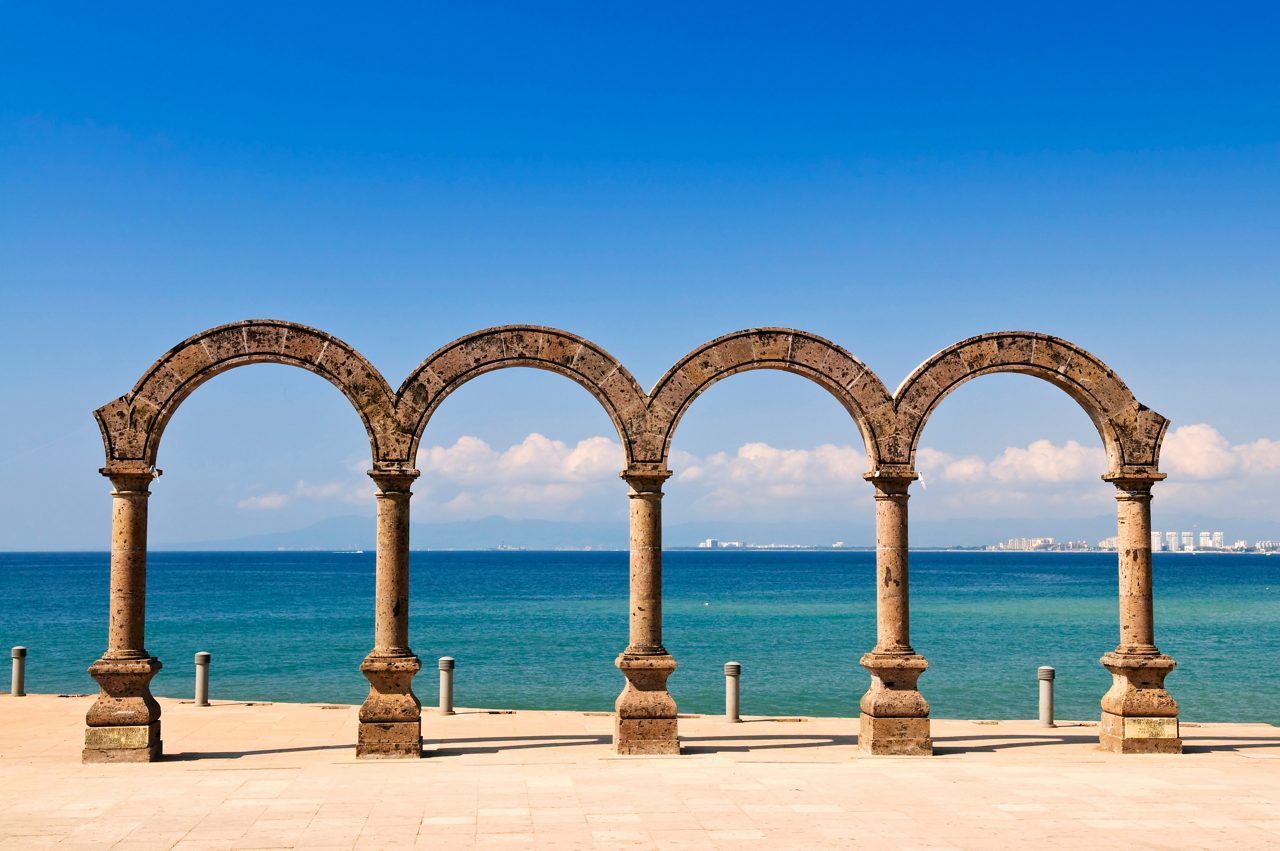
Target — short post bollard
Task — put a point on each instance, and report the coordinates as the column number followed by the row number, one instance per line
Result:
column 732, row 675
column 202, row 678
column 1046, row 674
column 446, row 685
column 18, row 684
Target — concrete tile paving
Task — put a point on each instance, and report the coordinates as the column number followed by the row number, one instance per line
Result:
column 254, row 775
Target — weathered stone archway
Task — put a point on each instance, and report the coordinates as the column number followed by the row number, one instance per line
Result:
column 550, row 349
column 124, row 723
column 645, row 712
column 857, row 389
column 1138, row 713
column 1130, row 431
column 133, row 424
column 647, row 720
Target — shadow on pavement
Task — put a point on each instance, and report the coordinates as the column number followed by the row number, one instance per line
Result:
column 188, row 756
column 759, row 743
column 457, row 747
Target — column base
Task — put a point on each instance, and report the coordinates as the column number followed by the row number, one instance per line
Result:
column 641, row 736
column 1138, row 713
column 894, row 736
column 123, row 724
column 391, row 716
column 895, row 715
column 132, row 743
column 645, row 714
column 393, row 740
column 1129, row 734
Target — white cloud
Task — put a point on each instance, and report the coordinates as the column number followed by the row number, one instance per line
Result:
column 760, row 463
column 1039, row 461
column 544, row 478
column 762, row 478
column 1262, row 457
column 942, row 466
column 471, row 460
column 264, row 502
column 1206, row 472
column 356, row 491
column 537, row 477
column 1200, row 451
column 1042, row 461
column 1021, row 481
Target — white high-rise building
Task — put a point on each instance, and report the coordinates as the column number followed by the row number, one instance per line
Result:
column 1171, row 541
column 1188, row 541
column 1217, row 540
column 1155, row 542
column 1206, row 541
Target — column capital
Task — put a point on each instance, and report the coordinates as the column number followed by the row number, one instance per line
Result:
column 645, row 478
column 393, row 479
column 1132, row 482
column 130, row 476
column 891, row 481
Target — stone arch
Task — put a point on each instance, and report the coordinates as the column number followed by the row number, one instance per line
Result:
column 505, row 346
column 133, row 424
column 1131, row 432
column 850, row 381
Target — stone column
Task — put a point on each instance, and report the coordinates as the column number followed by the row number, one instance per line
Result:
column 895, row 716
column 645, row 713
column 391, row 716
column 123, row 725
column 1138, row 714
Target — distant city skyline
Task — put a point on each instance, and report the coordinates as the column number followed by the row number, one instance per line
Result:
column 862, row 174
column 1167, row 542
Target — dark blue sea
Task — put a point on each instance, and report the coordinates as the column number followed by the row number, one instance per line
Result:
column 540, row 630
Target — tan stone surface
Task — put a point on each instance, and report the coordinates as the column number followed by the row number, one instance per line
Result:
column 891, row 426
column 1130, row 431
column 285, row 776
column 848, row 379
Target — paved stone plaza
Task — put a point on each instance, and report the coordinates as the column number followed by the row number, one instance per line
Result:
column 241, row 775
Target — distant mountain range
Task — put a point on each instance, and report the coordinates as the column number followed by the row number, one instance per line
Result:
column 354, row 532
column 357, row 533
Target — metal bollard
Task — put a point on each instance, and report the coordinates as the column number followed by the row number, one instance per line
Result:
column 18, row 684
column 202, row 678
column 446, row 685
column 732, row 675
column 1046, row 674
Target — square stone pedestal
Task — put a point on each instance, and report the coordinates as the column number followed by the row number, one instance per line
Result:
column 391, row 740
column 645, row 721
column 1121, row 734
column 641, row 736
column 134, row 743
column 894, row 736
column 1138, row 713
column 391, row 716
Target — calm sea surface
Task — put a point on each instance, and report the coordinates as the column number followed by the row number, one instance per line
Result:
column 540, row 630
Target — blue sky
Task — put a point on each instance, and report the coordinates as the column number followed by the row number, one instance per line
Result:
column 895, row 178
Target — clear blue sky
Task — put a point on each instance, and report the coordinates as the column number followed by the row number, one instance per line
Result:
column 893, row 177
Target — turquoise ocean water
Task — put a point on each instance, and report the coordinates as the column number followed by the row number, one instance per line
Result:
column 540, row 630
